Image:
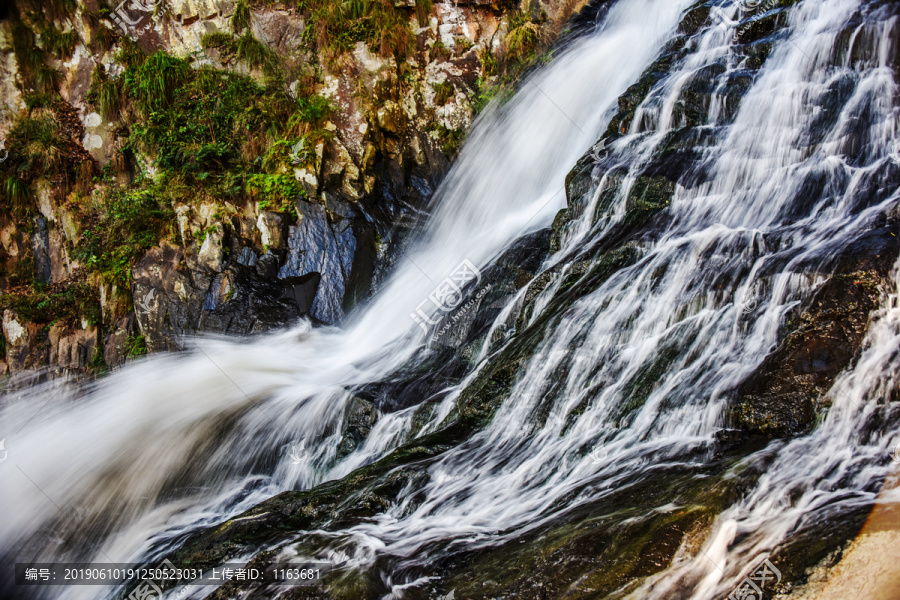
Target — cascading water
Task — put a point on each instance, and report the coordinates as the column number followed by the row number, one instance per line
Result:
column 147, row 435
column 623, row 385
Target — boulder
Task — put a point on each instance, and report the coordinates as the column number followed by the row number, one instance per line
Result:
column 361, row 417
column 325, row 246
column 72, row 349
column 271, row 229
column 19, row 338
column 211, row 255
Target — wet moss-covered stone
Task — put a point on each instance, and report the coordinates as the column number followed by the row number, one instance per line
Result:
column 762, row 25
column 559, row 221
column 612, row 543
column 694, row 19
column 635, row 94
column 782, row 397
column 784, row 394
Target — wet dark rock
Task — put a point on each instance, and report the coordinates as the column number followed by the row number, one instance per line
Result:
column 456, row 339
column 682, row 157
column 784, row 394
column 693, row 20
column 247, row 258
column 637, row 93
column 267, row 266
column 586, row 553
column 819, row 543
column 590, row 553
column 829, row 109
column 40, row 246
column 557, row 230
column 511, row 271
column 648, row 195
column 302, row 290
column 362, row 494
column 426, row 380
column 240, row 303
column 363, row 268
column 759, row 26
column 698, row 94
column 361, row 417
column 171, row 300
column 322, row 243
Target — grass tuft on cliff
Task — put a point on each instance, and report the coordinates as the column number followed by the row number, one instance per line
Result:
column 153, row 82
column 334, row 27
column 46, row 305
column 37, row 149
column 58, row 43
column 123, row 224
column 106, row 94
column 240, row 20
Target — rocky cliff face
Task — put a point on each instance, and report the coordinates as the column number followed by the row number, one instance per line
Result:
column 212, row 165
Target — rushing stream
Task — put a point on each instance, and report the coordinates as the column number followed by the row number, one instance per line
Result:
column 801, row 169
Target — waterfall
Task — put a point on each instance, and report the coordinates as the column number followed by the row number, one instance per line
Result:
column 624, row 384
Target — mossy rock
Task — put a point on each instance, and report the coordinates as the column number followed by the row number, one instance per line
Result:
column 786, row 392
column 604, row 545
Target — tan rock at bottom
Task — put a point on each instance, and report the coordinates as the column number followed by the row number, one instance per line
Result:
column 870, row 568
